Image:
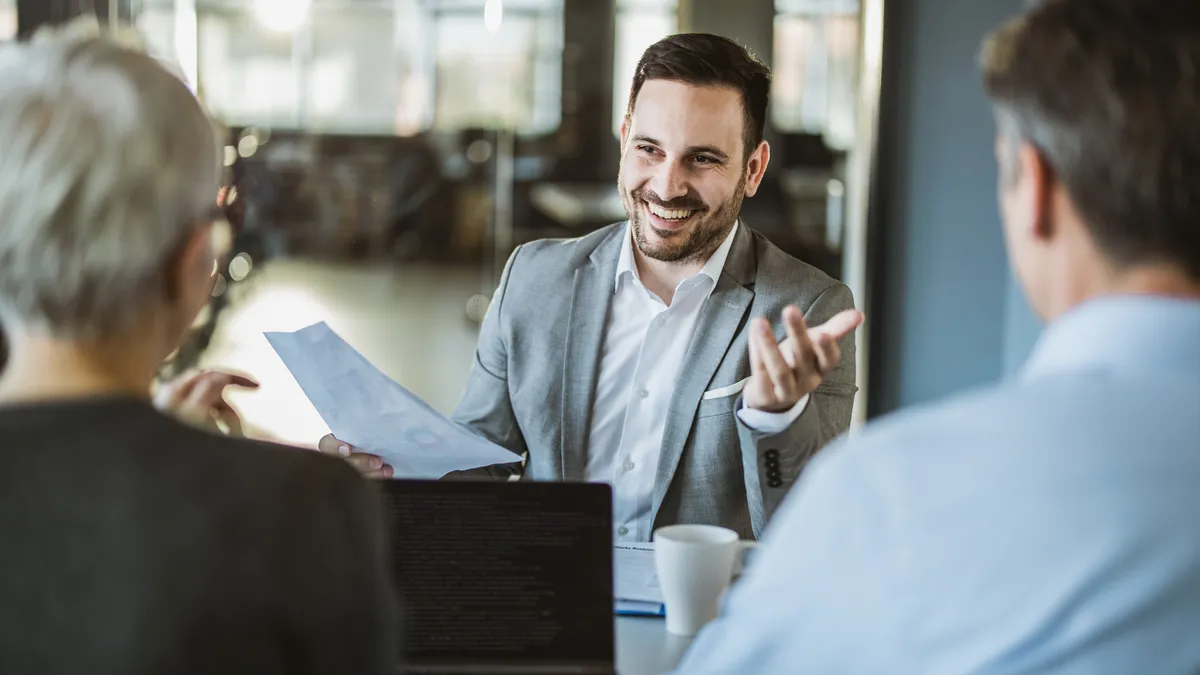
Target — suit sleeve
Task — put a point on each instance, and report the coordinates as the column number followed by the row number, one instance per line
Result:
column 773, row 461
column 336, row 592
column 485, row 408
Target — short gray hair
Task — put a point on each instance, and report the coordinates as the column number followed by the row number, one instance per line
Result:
column 107, row 165
column 1107, row 92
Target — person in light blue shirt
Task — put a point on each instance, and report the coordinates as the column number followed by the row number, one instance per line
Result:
column 1050, row 524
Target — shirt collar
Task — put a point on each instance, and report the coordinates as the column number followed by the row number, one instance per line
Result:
column 1142, row 332
column 712, row 268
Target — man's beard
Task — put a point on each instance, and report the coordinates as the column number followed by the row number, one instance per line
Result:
column 695, row 244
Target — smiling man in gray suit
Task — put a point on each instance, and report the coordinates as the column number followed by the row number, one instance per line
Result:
column 633, row 355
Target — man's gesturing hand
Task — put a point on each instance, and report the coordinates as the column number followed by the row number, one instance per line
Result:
column 782, row 374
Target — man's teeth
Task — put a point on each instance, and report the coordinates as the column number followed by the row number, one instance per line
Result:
column 668, row 214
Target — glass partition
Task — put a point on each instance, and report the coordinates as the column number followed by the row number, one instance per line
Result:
column 8, row 20
column 816, row 63
column 639, row 24
column 379, row 67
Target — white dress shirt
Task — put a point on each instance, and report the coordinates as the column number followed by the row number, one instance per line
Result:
column 645, row 344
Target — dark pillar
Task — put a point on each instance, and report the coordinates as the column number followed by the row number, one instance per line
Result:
column 588, row 150
column 33, row 14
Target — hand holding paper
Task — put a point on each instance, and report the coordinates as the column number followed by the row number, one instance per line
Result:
column 370, row 466
column 368, row 410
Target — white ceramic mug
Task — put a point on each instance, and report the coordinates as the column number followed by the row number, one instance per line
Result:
column 695, row 564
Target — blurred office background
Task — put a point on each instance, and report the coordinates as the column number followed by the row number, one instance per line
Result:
column 389, row 154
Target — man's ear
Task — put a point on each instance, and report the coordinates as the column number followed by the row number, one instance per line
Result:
column 192, row 269
column 756, row 167
column 1039, row 180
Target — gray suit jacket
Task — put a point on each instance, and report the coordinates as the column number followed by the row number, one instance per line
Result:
column 534, row 378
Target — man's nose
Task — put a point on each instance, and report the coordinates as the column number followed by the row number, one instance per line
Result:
column 669, row 181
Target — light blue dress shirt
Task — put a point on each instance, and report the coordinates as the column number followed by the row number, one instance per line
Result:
column 1047, row 525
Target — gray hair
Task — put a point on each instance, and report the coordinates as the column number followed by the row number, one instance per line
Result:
column 1106, row 92
column 108, row 163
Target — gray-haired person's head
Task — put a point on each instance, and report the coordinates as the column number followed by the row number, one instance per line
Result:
column 109, row 171
column 1098, row 100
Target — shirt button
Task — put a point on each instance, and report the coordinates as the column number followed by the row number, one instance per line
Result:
column 628, row 465
column 643, row 393
column 622, row 531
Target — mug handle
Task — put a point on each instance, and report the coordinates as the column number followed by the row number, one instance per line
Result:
column 740, row 560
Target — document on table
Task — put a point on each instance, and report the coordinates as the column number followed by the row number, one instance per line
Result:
column 370, row 411
column 635, row 583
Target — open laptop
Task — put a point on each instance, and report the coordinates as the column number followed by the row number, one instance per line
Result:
column 504, row 577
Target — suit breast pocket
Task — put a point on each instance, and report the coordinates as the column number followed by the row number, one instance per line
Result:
column 719, row 405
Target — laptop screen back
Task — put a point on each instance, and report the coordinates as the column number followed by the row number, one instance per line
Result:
column 503, row 572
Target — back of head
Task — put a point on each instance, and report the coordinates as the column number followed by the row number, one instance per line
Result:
column 108, row 163
column 704, row 60
column 1108, row 92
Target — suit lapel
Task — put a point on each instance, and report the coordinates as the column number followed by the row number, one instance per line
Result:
column 721, row 318
column 590, row 302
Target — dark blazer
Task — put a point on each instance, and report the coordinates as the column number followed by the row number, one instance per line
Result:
column 130, row 544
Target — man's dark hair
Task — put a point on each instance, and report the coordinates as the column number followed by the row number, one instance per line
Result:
column 704, row 60
column 1108, row 92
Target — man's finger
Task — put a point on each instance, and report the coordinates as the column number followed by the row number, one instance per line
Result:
column 797, row 328
column 829, row 354
column 835, row 355
column 757, row 367
column 840, row 325
column 780, row 373
column 331, row 445
column 385, row 471
column 365, row 462
column 759, row 389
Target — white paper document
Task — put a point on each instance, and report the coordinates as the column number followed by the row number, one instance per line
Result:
column 370, row 411
column 635, row 578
